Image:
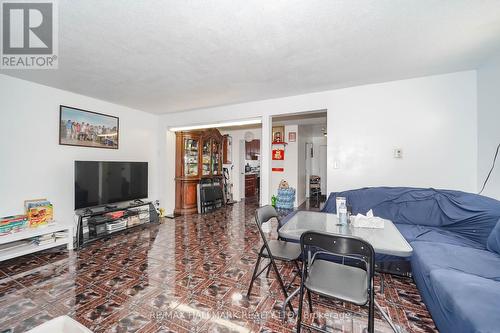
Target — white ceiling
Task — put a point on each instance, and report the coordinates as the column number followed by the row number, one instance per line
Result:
column 164, row 56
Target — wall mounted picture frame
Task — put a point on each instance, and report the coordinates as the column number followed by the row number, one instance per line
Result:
column 78, row 127
column 278, row 134
column 292, row 136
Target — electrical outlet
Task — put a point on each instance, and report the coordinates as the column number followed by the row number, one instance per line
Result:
column 398, row 152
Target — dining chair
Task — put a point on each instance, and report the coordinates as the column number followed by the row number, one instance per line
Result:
column 348, row 283
column 274, row 250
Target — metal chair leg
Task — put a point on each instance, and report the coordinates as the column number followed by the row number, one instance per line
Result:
column 386, row 317
column 255, row 271
column 289, row 298
column 295, row 275
column 268, row 270
column 309, row 300
column 371, row 311
column 299, row 311
column 280, row 281
column 382, row 285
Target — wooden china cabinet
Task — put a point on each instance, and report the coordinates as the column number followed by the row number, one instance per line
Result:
column 198, row 155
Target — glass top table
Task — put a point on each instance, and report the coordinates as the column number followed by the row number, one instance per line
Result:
column 387, row 240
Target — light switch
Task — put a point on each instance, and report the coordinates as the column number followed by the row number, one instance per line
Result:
column 398, row 152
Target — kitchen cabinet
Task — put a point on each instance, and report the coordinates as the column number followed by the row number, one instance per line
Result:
column 250, row 185
column 252, row 150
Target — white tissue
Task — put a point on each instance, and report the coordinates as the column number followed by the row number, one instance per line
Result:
column 368, row 221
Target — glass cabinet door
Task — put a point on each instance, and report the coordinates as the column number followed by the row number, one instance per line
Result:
column 190, row 157
column 205, row 156
column 216, row 157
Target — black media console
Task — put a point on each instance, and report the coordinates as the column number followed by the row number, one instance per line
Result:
column 107, row 221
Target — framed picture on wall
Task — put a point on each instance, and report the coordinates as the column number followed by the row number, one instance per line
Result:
column 292, row 136
column 278, row 133
column 84, row 128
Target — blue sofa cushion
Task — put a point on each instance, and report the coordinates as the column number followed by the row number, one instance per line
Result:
column 494, row 239
column 469, row 215
column 413, row 233
column 430, row 256
column 468, row 302
column 450, row 279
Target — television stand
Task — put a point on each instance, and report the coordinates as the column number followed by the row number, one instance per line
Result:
column 88, row 211
column 94, row 225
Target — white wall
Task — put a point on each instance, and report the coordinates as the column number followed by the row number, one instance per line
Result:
column 34, row 165
column 434, row 120
column 488, row 94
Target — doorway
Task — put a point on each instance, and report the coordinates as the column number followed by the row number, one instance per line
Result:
column 302, row 162
column 244, row 165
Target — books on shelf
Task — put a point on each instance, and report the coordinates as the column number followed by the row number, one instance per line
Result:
column 61, row 234
column 39, row 211
column 12, row 224
column 44, row 239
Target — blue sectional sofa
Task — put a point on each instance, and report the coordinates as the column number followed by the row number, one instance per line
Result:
column 456, row 250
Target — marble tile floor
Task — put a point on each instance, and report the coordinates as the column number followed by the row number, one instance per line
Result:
column 189, row 274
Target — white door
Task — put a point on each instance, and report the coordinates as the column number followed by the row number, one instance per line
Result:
column 322, row 168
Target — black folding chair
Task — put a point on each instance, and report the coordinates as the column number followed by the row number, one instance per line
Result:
column 353, row 283
column 274, row 250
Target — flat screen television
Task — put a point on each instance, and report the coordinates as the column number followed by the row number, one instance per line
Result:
column 103, row 183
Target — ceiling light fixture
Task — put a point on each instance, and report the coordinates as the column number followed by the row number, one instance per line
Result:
column 221, row 124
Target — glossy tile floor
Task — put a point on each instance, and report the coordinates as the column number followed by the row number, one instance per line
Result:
column 185, row 275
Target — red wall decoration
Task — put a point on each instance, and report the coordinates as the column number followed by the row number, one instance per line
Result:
column 278, row 154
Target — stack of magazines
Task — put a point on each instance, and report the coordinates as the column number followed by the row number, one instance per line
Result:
column 61, row 234
column 11, row 224
column 44, row 239
column 39, row 211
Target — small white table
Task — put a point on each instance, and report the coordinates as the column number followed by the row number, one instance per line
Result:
column 387, row 240
column 28, row 233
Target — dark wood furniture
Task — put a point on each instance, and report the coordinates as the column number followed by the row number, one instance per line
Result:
column 252, row 149
column 250, row 185
column 198, row 155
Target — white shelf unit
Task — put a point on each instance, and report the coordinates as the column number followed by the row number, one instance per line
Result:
column 9, row 253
